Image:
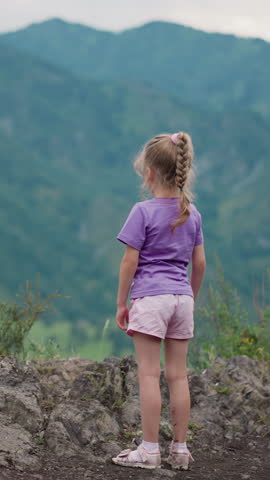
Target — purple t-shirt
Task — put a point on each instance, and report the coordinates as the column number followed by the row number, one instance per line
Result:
column 164, row 256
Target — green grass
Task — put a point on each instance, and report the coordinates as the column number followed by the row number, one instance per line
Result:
column 61, row 334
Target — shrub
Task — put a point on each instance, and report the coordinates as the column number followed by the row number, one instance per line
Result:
column 227, row 330
column 16, row 320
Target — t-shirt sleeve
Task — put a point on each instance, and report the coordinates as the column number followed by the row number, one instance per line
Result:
column 133, row 231
column 199, row 231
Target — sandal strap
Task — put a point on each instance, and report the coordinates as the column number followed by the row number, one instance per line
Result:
column 124, row 453
column 142, row 453
column 190, row 456
column 187, row 452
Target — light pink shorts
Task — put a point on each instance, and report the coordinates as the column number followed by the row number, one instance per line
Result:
column 162, row 316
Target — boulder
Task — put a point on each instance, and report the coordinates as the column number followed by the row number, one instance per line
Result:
column 80, row 407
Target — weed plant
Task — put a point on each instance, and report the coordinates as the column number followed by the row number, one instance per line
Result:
column 223, row 327
column 17, row 319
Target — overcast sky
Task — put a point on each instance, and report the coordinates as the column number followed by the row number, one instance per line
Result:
column 242, row 17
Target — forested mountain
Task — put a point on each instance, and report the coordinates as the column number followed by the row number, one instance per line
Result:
column 66, row 148
column 212, row 70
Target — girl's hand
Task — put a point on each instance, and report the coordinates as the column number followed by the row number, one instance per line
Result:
column 122, row 316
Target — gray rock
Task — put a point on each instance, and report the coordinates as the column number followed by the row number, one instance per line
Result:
column 22, row 407
column 131, row 414
column 73, row 427
column 20, row 394
column 77, row 406
column 17, row 447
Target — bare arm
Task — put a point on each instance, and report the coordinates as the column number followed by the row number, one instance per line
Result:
column 128, row 268
column 198, row 268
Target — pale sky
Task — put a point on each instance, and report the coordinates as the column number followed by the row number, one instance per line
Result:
column 241, row 17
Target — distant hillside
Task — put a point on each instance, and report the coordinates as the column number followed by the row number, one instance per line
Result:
column 212, row 70
column 67, row 183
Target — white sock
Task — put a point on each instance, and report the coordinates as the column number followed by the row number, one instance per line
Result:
column 135, row 456
column 179, row 446
column 150, row 447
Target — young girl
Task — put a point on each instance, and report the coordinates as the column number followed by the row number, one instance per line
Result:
column 161, row 235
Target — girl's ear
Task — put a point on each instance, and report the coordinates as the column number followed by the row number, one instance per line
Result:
column 149, row 174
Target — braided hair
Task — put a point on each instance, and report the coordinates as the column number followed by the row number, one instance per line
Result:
column 184, row 157
column 171, row 158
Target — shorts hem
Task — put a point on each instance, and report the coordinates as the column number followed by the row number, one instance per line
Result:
column 131, row 332
column 181, row 338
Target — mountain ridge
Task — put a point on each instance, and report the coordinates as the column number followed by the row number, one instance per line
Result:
column 142, row 25
column 219, row 71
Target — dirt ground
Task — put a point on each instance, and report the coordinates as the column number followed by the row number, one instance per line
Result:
column 235, row 463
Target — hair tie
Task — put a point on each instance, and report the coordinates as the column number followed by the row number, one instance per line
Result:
column 174, row 138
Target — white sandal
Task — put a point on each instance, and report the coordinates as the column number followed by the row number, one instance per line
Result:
column 149, row 460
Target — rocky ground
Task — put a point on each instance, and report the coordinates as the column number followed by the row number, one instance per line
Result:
column 65, row 419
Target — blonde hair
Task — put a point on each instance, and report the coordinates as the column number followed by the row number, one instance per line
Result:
column 173, row 165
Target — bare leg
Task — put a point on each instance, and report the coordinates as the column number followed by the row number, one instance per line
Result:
column 148, row 354
column 176, row 375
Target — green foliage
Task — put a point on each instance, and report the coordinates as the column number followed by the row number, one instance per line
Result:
column 17, row 319
column 41, row 353
column 227, row 329
column 39, row 441
column 225, row 390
